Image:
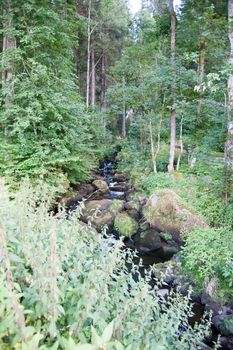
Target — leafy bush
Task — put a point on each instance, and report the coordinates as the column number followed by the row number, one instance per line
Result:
column 46, row 129
column 64, row 286
column 208, row 254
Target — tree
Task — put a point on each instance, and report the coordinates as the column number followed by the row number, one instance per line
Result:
column 229, row 143
column 9, row 45
column 173, row 111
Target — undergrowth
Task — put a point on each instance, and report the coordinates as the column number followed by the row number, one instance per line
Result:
column 63, row 286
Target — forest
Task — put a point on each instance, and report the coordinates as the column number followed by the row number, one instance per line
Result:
column 116, row 175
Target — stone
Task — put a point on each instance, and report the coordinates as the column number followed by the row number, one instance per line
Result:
column 224, row 324
column 120, row 187
column 119, row 177
column 226, row 343
column 162, row 293
column 168, row 271
column 149, row 241
column 166, row 212
column 132, row 204
column 169, row 251
column 101, row 185
column 125, row 225
column 101, row 212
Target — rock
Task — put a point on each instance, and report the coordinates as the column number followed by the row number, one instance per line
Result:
column 125, row 225
column 215, row 307
column 162, row 293
column 101, row 185
column 224, row 324
column 133, row 213
column 137, row 197
column 101, row 212
column 144, row 226
column 226, row 343
column 120, row 187
column 168, row 271
column 205, row 347
column 169, row 251
column 84, row 188
column 148, row 241
column 119, row 177
column 132, row 204
column 165, row 211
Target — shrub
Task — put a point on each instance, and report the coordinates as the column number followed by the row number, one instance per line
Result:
column 208, row 254
column 64, row 286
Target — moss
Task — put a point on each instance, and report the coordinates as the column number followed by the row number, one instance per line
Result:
column 167, row 236
column 133, row 204
column 116, row 206
column 125, row 225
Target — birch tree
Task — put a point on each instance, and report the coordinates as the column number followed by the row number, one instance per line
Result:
column 173, row 111
column 229, row 143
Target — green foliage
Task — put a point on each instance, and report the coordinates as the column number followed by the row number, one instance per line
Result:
column 73, row 288
column 201, row 192
column 125, row 225
column 45, row 129
column 208, row 254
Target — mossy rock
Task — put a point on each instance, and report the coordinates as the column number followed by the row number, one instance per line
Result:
column 101, row 185
column 102, row 212
column 125, row 225
column 166, row 212
column 224, row 324
column 149, row 240
column 133, row 204
column 116, row 206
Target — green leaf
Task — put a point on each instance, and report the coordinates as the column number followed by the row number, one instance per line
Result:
column 107, row 333
column 95, row 338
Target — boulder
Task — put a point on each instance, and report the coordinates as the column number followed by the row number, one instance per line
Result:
column 224, row 324
column 132, row 204
column 101, row 185
column 168, row 271
column 119, row 177
column 120, row 187
column 101, row 212
column 166, row 212
column 169, row 251
column 70, row 200
column 226, row 343
column 148, row 241
column 125, row 225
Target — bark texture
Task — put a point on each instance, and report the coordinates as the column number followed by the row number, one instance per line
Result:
column 229, row 143
column 9, row 44
column 173, row 111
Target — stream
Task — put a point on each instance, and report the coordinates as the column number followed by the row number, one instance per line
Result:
column 115, row 201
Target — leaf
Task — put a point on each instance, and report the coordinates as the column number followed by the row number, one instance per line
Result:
column 96, row 339
column 107, row 333
column 86, row 347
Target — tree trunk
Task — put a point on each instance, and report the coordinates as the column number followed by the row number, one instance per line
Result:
column 229, row 143
column 9, row 43
column 173, row 111
column 181, row 144
column 153, row 156
column 201, row 72
column 88, row 53
column 93, row 74
column 103, row 82
column 123, row 120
